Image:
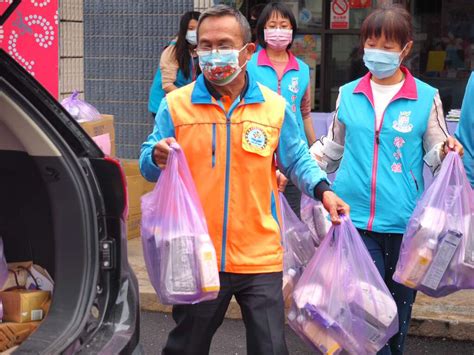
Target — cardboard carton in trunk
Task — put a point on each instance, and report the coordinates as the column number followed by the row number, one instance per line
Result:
column 20, row 305
column 103, row 133
column 137, row 186
column 13, row 334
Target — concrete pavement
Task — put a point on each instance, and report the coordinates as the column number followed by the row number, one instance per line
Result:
column 449, row 317
column 230, row 339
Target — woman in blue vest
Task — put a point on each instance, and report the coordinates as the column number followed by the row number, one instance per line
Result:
column 386, row 125
column 277, row 68
column 465, row 130
column 177, row 63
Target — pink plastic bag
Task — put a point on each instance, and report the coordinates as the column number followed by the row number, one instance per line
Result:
column 3, row 265
column 341, row 301
column 79, row 109
column 3, row 273
column 315, row 216
column 437, row 252
column 179, row 255
column 298, row 245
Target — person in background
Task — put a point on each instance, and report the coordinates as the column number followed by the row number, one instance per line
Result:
column 255, row 12
column 277, row 68
column 178, row 65
column 385, row 124
column 465, row 131
column 231, row 129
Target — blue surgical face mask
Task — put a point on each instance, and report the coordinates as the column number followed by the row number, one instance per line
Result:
column 191, row 37
column 382, row 64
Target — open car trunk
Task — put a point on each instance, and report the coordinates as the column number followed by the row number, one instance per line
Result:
column 62, row 206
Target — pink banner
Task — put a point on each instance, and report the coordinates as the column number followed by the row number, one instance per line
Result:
column 30, row 36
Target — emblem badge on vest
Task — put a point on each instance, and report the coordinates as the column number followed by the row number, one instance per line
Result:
column 256, row 137
column 402, row 124
column 294, row 86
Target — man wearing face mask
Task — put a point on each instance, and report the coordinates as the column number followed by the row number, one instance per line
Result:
column 178, row 65
column 230, row 128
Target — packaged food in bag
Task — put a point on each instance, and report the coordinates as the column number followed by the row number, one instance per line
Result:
column 312, row 332
column 342, row 293
column 298, row 246
column 179, row 254
column 436, row 253
column 315, row 216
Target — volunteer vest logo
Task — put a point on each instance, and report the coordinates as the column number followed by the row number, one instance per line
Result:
column 403, row 124
column 294, row 87
column 256, row 138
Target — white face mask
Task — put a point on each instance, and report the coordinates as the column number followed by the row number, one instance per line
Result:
column 191, row 37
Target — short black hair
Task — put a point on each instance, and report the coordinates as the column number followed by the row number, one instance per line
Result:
column 266, row 15
column 393, row 21
column 222, row 10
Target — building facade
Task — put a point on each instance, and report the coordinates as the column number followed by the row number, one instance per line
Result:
column 123, row 41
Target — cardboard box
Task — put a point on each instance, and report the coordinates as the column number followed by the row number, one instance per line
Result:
column 137, row 186
column 22, row 305
column 134, row 223
column 104, row 126
column 13, row 334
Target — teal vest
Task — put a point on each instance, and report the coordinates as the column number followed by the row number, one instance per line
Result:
column 156, row 91
column 292, row 87
column 381, row 179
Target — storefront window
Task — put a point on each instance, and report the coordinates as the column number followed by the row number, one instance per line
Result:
column 358, row 11
column 307, row 47
column 443, row 52
column 308, row 13
column 346, row 63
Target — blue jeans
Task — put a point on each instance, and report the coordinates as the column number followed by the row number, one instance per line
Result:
column 384, row 249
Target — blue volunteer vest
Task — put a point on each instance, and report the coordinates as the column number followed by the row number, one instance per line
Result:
column 293, row 85
column 382, row 179
column 156, row 91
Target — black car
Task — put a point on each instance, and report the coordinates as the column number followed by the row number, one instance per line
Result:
column 63, row 205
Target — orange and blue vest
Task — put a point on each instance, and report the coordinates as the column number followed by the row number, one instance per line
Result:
column 230, row 148
column 292, row 85
column 381, row 172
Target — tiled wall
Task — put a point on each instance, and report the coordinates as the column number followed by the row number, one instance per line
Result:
column 123, row 41
column 71, row 47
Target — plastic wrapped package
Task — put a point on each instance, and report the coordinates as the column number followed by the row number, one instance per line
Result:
column 315, row 216
column 315, row 335
column 79, row 109
column 298, row 245
column 179, row 255
column 342, row 293
column 437, row 252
